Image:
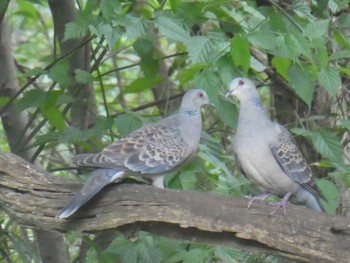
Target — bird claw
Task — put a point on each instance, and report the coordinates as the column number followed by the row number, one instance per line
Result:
column 280, row 204
column 260, row 198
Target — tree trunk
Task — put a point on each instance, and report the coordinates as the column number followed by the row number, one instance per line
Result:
column 83, row 111
column 33, row 198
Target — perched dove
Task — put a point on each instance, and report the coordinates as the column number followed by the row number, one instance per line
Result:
column 267, row 153
column 154, row 149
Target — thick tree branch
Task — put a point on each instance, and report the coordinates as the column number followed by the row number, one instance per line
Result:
column 33, row 197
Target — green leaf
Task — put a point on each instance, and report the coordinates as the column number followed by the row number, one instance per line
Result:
column 287, row 47
column 199, row 48
column 172, row 28
column 54, row 116
column 138, row 27
column 263, row 39
column 331, row 193
column 344, row 70
column 144, row 47
column 102, row 124
column 228, row 112
column 34, row 71
column 345, row 123
column 341, row 39
column 32, row 99
column 112, row 34
column 83, row 76
column 210, row 82
column 51, row 112
column 59, row 73
column 72, row 135
column 340, row 166
column 206, row 154
column 302, row 81
column 328, row 145
column 142, row 84
column 240, row 53
column 188, row 180
column 127, row 122
column 301, row 132
column 109, row 8
column 76, row 29
column 188, row 74
column 329, row 79
column 50, row 137
column 226, row 70
column 339, row 55
column 281, row 65
column 190, row 256
column 3, row 101
column 316, row 29
column 303, row 46
column 321, row 50
column 64, row 99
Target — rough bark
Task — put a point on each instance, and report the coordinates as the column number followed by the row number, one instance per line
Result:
column 33, row 197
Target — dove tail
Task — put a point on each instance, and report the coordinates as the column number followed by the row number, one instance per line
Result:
column 314, row 202
column 99, row 178
column 310, row 199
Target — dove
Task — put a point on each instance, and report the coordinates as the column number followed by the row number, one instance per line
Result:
column 152, row 150
column 267, row 153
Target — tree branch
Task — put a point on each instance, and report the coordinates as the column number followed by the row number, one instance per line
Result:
column 33, row 197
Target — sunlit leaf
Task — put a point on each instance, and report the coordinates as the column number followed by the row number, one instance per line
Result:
column 281, row 65
column 240, row 53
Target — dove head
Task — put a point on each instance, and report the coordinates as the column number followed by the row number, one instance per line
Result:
column 193, row 100
column 242, row 88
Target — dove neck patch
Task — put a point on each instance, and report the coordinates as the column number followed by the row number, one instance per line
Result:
column 257, row 102
column 191, row 112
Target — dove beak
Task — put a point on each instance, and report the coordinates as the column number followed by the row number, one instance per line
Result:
column 229, row 93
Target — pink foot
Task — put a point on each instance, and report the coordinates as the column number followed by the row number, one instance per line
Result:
column 280, row 204
column 260, row 198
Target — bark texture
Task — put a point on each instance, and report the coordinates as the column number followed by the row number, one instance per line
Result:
column 33, row 197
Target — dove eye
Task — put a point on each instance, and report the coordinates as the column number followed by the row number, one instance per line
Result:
column 200, row 94
column 241, row 82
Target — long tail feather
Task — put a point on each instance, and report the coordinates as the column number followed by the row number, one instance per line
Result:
column 98, row 179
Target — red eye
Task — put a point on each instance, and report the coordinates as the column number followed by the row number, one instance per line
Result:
column 241, row 82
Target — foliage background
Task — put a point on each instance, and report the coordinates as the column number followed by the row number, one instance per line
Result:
column 89, row 72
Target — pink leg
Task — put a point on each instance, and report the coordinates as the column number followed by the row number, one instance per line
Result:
column 260, row 198
column 281, row 204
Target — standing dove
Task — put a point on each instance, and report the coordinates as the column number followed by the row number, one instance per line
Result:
column 153, row 149
column 267, row 153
